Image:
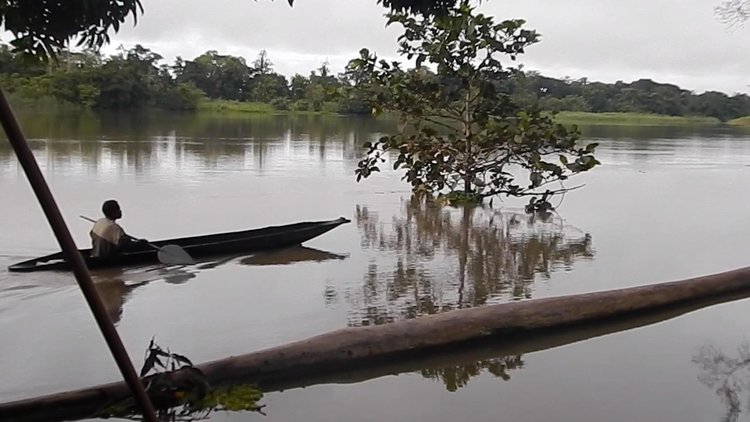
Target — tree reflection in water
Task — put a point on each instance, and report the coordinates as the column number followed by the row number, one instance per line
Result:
column 456, row 377
column 728, row 376
column 434, row 259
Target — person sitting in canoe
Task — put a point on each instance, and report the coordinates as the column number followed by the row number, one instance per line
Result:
column 107, row 237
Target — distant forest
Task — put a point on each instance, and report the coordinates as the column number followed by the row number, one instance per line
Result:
column 137, row 78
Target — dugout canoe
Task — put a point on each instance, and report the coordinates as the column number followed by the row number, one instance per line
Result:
column 254, row 240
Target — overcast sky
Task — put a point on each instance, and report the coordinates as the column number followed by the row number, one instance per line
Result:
column 674, row 41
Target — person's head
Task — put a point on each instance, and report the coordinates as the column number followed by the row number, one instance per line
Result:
column 111, row 209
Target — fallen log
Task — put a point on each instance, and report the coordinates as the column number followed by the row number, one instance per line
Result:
column 355, row 354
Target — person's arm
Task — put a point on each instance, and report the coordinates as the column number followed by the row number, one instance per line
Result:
column 127, row 241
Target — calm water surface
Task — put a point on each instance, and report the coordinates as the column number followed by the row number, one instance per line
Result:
column 667, row 204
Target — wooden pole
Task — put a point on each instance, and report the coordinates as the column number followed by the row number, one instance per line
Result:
column 56, row 221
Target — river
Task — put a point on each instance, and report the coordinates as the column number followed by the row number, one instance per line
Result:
column 667, row 204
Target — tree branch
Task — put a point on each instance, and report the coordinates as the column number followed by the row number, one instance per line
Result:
column 527, row 192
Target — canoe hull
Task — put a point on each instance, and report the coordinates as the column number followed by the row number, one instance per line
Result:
column 268, row 238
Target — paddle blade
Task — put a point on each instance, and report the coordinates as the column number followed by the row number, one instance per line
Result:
column 174, row 255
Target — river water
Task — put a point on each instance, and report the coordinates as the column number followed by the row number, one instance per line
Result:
column 666, row 204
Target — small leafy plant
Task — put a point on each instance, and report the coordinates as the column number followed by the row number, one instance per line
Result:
column 157, row 358
column 180, row 392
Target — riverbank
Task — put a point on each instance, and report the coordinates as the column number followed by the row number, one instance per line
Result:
column 564, row 117
column 220, row 106
column 740, row 122
column 632, row 119
column 330, row 108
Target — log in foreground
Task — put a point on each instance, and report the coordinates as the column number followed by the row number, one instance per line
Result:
column 354, row 354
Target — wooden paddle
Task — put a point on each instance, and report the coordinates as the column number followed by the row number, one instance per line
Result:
column 168, row 254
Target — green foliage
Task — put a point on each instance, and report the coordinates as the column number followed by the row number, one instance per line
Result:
column 461, row 198
column 263, row 65
column 353, row 106
column 181, row 96
column 426, row 7
column 641, row 96
column 128, row 80
column 280, row 104
column 13, row 62
column 298, row 87
column 34, row 87
column 569, row 102
column 235, row 398
column 301, row 105
column 158, row 359
column 136, row 78
column 322, row 88
column 219, row 76
column 460, row 131
column 88, row 94
column 42, row 27
column 65, row 85
column 267, row 87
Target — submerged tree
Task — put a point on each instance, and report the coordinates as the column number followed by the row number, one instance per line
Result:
column 460, row 130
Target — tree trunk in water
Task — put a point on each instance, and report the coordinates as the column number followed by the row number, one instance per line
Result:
column 468, row 183
column 411, row 344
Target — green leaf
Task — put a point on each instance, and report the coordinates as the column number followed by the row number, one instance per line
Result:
column 536, row 179
column 182, row 359
column 152, row 361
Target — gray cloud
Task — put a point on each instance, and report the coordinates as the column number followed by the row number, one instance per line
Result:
column 675, row 41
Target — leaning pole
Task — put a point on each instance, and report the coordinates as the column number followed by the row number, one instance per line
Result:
column 353, row 354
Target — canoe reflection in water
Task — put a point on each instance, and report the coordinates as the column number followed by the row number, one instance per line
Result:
column 115, row 285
